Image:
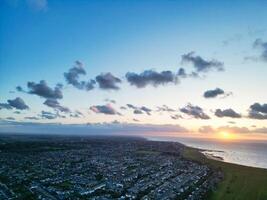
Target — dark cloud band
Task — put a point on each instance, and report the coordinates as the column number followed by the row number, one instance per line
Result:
column 194, row 111
column 107, row 81
column 258, row 111
column 200, row 64
column 43, row 90
column 104, row 109
column 213, row 93
column 17, row 103
column 227, row 113
column 151, row 77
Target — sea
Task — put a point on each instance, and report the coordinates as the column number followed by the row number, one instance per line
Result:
column 247, row 153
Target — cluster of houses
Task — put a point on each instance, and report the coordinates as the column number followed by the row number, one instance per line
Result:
column 103, row 168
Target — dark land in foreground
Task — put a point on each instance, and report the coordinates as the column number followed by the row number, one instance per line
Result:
column 61, row 167
column 64, row 167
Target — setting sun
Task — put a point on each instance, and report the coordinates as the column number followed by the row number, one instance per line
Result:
column 226, row 135
column 133, row 99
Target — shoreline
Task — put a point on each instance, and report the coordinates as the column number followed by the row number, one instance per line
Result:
column 238, row 181
column 212, row 152
column 252, row 181
column 211, row 156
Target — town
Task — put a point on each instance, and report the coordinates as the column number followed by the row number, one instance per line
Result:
column 99, row 167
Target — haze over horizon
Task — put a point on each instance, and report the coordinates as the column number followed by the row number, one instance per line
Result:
column 179, row 68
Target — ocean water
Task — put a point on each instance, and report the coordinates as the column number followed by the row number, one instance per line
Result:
column 248, row 153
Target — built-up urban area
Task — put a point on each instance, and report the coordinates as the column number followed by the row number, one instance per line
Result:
column 99, row 168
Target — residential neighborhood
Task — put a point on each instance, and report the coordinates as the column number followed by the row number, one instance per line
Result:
column 100, row 168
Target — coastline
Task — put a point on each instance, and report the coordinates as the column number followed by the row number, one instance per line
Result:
column 239, row 182
column 240, row 153
column 211, row 156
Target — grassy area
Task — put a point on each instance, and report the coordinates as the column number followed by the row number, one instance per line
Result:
column 239, row 183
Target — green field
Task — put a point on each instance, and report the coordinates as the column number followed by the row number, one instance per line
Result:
column 239, row 182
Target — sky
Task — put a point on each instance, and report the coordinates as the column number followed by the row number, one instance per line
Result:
column 181, row 67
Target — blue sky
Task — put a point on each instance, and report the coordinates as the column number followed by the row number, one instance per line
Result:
column 41, row 40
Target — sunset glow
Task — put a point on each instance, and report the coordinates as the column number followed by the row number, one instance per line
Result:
column 134, row 73
column 226, row 135
column 133, row 99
